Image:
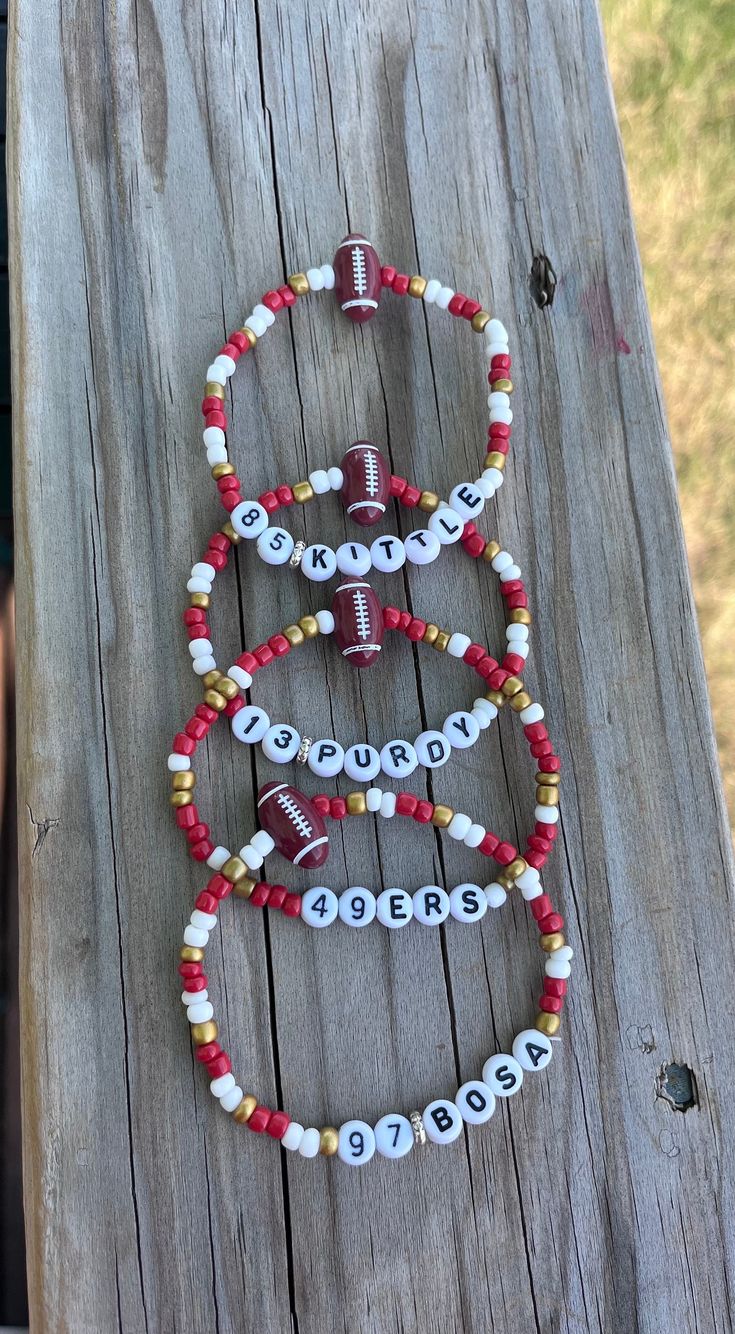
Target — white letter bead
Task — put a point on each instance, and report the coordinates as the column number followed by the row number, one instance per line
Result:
column 461, row 729
column 554, row 969
column 203, row 921
column 495, row 332
column 178, row 764
column 262, row 842
column 197, row 585
column 336, row 479
column 328, row 276
column 204, row 664
column 501, row 562
column 393, row 1135
column 467, row 903
column 433, row 749
column 281, row 743
column 546, row 814
column 250, row 724
column 315, row 279
column 442, row 1121
column 201, row 1013
column 275, row 546
column 218, row 857
column 200, row 648
column 373, row 798
column 532, row 1049
column 319, row 481
column 533, row 714
column 193, row 936
column 443, row 297
column 356, row 1143
column 222, row 1085
column 216, row 453
column 318, row 562
column 476, row 1102
column 251, row 857
column 459, row 826
column 388, row 554
column 514, row 631
column 495, row 895
column 325, row 758
column 216, row 374
column 293, row 1136
column 474, row 836
column 310, row 1141
column 232, row 1099
column 249, row 519
column 431, row 292
column 388, row 805
column 353, row 558
column 362, row 763
column 422, row 546
column 503, row 1075
column 467, row 500
column 357, row 906
column 446, row 524
column 398, row 759
column 394, row 908
column 431, row 905
column 319, row 906
column 325, row 621
column 238, row 674
column 458, row 645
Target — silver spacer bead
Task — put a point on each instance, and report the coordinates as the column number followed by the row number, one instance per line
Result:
column 296, row 555
column 417, row 1125
column 304, row 748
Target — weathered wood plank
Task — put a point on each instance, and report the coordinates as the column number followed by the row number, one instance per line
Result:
column 165, row 166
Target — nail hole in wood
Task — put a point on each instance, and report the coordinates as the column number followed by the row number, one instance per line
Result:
column 542, row 281
column 677, row 1085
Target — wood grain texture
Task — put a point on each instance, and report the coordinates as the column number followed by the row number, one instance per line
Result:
column 167, row 163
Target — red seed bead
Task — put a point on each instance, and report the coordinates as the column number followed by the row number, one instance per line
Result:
column 263, row 654
column 260, row 894
column 397, row 486
column 391, row 618
column 284, row 495
column 338, row 808
column 474, row 546
column 183, row 744
column 273, row 301
column 249, row 663
column 514, row 663
column 410, row 496
column 219, row 887
column 193, row 616
column 194, row 984
column 400, row 284
column 541, row 906
column 187, row 969
column 206, row 902
column 211, row 404
column 457, row 303
column 540, row 748
column 535, row 732
column 200, row 631
column 552, row 764
column 424, row 811
column 277, row 896
column 515, row 600
column 474, row 654
column 216, row 419
column 292, row 905
column 497, row 679
column 258, row 1120
column 500, row 361
column 230, row 350
column 197, row 831
column 219, row 1065
column 239, row 341
column 512, row 586
column 230, row 500
column 405, row 621
column 233, row 706
column 555, row 986
column 551, row 1004
column 500, row 445
column 186, row 816
column 387, row 275
column 499, row 431
column 280, row 645
column 288, row 294
column 321, row 803
column 486, row 667
column 505, row 853
column 197, row 729
column 536, row 859
column 538, row 844
column 207, row 714
column 220, row 542
column 416, row 629
column 488, row 845
column 278, row 1124
column 269, row 501
column 470, row 309
column 229, row 483
column 406, row 803
column 553, row 922
column 201, row 851
column 217, row 559
column 551, row 832
column 208, row 1052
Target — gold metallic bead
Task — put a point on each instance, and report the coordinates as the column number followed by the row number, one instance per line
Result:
column 428, row 501
column 548, row 780
column 184, row 780
column 495, row 460
column 200, row 600
column 441, row 641
column 547, row 1023
column 294, row 634
column 215, row 700
column 181, row 798
column 443, row 816
column 520, row 616
column 495, row 697
column 310, row 626
column 299, row 283
column 222, row 470
column 512, row 686
column 516, row 868
column 521, row 701
column 230, row 532
column 417, row 286
column 245, row 1109
column 214, row 390
column 356, row 804
column 328, row 1141
column 507, row 881
column 552, row 940
column 480, row 320
column 228, row 687
column 251, row 337
column 302, row 491
column 201, row 1034
column 234, row 869
column 503, row 385
column 244, row 888
column 430, row 634
column 211, row 679
column 492, row 549
column 547, row 796
column 191, row 954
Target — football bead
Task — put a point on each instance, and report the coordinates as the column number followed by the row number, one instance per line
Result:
column 358, row 622
column 366, row 485
column 294, row 824
column 357, row 280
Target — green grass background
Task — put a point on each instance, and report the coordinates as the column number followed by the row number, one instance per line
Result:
column 673, row 70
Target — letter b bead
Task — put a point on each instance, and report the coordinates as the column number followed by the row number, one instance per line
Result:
column 442, row 1121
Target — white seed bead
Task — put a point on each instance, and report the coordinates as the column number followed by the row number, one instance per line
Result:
column 274, row 546
column 481, row 718
column 431, row 905
column 326, row 758
column 485, row 706
column 476, row 1102
column 547, row 814
column 446, row 524
column 433, row 749
column 395, row 908
column 501, row 415
column 442, row 1121
column 315, row 279
column 388, row 554
column 217, row 857
column 256, row 324
column 264, row 313
column 310, row 1142
column 560, row 969
column 517, row 632
column 461, row 729
column 474, row 836
column 204, row 664
column 373, row 798
column 528, row 879
column 467, row 903
column 520, row 647
column 458, row 645
column 431, row 291
column 293, row 1136
column 194, row 997
column 251, row 857
column 459, row 826
column 204, row 921
column 532, row 891
column 533, row 714
column 216, row 454
column 357, row 906
column 201, row 1013
column 249, row 519
column 228, row 365
column 231, row 1100
column 196, row 585
column 467, row 500
column 216, row 374
column 393, row 1135
column 193, row 936
column 503, row 1075
column 495, row 895
column 495, row 332
column 443, row 297
column 532, row 1049
column 494, row 476
column 203, row 570
column 222, row 1084
column 398, row 758
column 200, row 648
column 362, row 763
column 214, row 437
column 497, row 399
column 319, row 906
column 240, row 676
column 262, row 842
column 318, row 562
column 177, row 764
column 487, row 488
column 501, row 562
column 565, row 953
column 356, row 1144
column 336, row 478
column 422, row 546
column 511, row 572
column 319, row 481
column 353, row 558
column 388, row 805
column 325, row 621
column 328, row 276
column 281, row 743
column 496, row 349
column 250, row 724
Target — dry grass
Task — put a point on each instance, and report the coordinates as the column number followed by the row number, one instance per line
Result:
column 673, row 68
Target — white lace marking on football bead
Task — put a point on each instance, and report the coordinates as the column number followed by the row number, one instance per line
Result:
column 362, row 613
column 361, row 648
column 296, row 816
column 361, row 301
column 324, row 839
column 359, row 274
column 271, row 793
column 372, row 479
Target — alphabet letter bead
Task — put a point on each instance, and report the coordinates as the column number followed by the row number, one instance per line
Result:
column 319, row 906
column 250, row 724
column 431, row 905
column 356, row 1143
column 326, row 757
column 275, row 546
column 280, row 743
column 362, row 763
column 319, row 562
column 353, row 558
column 468, row 500
column 532, row 1049
column 249, row 519
column 357, row 906
column 467, row 903
column 442, row 1121
column 393, row 1136
column 433, row 749
column 395, row 907
column 461, row 729
column 422, row 546
column 446, row 524
column 503, row 1075
column 388, row 554
column 398, row 759
column 476, row 1102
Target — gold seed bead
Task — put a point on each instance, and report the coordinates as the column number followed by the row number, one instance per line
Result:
column 201, row 1034
column 245, row 1109
column 417, row 285
column 244, row 888
column 552, row 940
column 520, row 616
column 215, row 700
column 547, row 1023
column 231, row 532
column 428, row 502
column 516, row 868
column 222, row 470
column 496, row 697
column 200, row 600
column 492, row 549
column 547, row 796
column 310, row 626
column 191, row 954
column 502, row 878
column 480, row 320
column 299, row 283
column 183, row 780
column 495, row 460
column 294, row 634
column 234, row 869
column 181, row 798
column 430, row 634
column 441, row 641
column 521, row 701
column 503, row 386
column 251, row 337
column 214, row 390
column 328, row 1141
column 512, row 686
column 228, row 687
column 442, row 816
column 302, row 491
column 549, row 780
column 210, row 679
column 356, row 804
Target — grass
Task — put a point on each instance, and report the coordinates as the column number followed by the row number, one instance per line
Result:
column 673, row 69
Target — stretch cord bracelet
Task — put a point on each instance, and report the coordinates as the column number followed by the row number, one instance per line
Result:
column 394, row 1135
